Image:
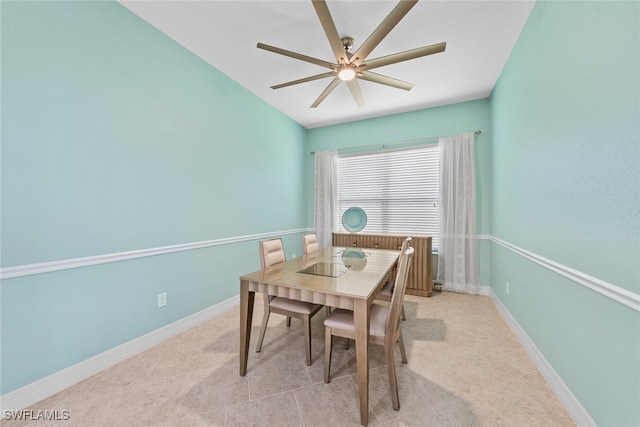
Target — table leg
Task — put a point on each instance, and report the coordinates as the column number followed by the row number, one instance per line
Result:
column 361, row 321
column 246, row 318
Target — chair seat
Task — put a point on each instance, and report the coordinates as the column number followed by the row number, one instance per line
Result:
column 343, row 319
column 293, row 305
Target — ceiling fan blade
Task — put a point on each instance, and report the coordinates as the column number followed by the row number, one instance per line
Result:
column 389, row 81
column 334, row 83
column 329, row 27
column 403, row 56
column 296, row 55
column 354, row 87
column 383, row 29
column 306, row 79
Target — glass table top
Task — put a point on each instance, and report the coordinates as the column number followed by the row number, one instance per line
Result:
column 329, row 269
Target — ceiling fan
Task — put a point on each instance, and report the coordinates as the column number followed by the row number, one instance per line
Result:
column 349, row 67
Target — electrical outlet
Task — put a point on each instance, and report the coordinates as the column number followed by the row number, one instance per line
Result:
column 507, row 287
column 162, row 299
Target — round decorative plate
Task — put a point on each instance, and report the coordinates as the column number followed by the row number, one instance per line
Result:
column 354, row 219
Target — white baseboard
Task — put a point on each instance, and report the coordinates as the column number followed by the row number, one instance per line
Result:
column 579, row 415
column 54, row 383
column 481, row 290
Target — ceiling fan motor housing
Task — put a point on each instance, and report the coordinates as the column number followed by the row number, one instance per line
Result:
column 347, row 43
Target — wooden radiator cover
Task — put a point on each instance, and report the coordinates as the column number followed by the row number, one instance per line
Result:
column 420, row 280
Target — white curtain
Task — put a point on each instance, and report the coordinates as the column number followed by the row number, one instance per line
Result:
column 457, row 252
column 326, row 166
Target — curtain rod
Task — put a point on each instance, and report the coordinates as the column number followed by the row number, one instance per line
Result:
column 383, row 145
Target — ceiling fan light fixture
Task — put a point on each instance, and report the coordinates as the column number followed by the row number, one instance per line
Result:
column 346, row 72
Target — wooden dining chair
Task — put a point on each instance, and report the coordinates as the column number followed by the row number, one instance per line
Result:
column 272, row 254
column 387, row 290
column 310, row 248
column 310, row 244
column 384, row 327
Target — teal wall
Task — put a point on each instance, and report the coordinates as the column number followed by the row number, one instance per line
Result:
column 115, row 138
column 566, row 186
column 432, row 122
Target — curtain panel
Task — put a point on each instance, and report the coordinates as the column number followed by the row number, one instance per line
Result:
column 326, row 170
column 458, row 254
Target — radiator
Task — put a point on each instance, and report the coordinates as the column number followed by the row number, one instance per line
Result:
column 420, row 280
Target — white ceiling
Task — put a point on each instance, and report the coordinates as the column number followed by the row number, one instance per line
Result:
column 479, row 34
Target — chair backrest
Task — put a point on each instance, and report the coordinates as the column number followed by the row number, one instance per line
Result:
column 310, row 244
column 271, row 253
column 405, row 244
column 404, row 263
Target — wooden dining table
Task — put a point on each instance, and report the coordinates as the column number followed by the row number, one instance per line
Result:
column 339, row 277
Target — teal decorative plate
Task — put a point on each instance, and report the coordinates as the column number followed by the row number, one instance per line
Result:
column 354, row 219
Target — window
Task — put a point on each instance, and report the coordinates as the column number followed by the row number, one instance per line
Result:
column 398, row 190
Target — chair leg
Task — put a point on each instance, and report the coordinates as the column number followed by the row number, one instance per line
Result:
column 288, row 321
column 263, row 328
column 404, row 316
column 346, row 343
column 403, row 352
column 328, row 339
column 307, row 338
column 393, row 380
column 327, row 310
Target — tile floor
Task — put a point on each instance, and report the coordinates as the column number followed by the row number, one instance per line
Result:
column 465, row 369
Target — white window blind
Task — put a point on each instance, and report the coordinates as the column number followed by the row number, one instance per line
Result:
column 398, row 190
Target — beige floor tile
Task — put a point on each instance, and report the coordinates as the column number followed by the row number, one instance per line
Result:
column 275, row 410
column 275, row 373
column 185, row 418
column 142, row 404
column 465, row 368
column 422, row 402
column 332, row 404
column 222, row 387
column 523, row 401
